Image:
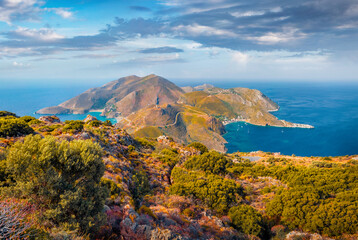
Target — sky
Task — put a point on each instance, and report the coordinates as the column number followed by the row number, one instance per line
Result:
column 268, row 40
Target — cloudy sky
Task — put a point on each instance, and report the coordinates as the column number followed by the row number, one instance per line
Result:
column 314, row 40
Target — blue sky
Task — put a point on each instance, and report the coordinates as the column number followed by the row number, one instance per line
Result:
column 85, row 40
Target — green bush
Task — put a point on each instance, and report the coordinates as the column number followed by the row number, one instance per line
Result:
column 113, row 187
column 95, row 123
column 14, row 128
column 73, row 126
column 145, row 143
column 168, row 156
column 64, row 177
column 210, row 162
column 140, row 186
column 49, row 128
column 146, row 210
column 216, row 192
column 30, row 120
column 323, row 200
column 248, row 220
column 107, row 123
column 189, row 212
column 199, row 146
column 7, row 114
column 324, row 164
column 131, row 148
column 353, row 162
column 3, row 172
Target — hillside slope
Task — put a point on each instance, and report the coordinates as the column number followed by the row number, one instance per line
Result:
column 184, row 123
column 91, row 180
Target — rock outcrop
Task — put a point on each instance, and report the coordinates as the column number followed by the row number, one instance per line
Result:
column 50, row 119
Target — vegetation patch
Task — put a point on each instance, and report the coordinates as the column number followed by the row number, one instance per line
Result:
column 14, row 127
column 148, row 132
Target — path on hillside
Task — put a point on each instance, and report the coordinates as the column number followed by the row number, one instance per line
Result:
column 175, row 122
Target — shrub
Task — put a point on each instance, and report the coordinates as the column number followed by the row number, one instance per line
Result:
column 140, row 186
column 49, row 128
column 323, row 164
column 210, row 162
column 199, row 146
column 113, row 187
column 248, row 220
column 95, row 123
column 353, row 162
column 131, row 148
column 30, row 120
column 266, row 190
column 145, row 143
column 189, row 213
column 62, row 176
column 14, row 128
column 146, row 210
column 73, row 126
column 3, row 173
column 216, row 192
column 107, row 123
column 7, row 114
column 168, row 156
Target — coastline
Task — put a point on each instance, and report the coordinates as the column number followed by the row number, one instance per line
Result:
column 285, row 124
column 97, row 110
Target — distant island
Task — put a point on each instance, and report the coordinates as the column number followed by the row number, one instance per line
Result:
column 152, row 106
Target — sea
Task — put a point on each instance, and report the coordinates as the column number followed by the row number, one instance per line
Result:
column 331, row 107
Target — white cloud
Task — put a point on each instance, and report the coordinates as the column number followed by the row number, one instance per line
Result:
column 63, row 12
column 247, row 14
column 205, row 5
column 240, row 58
column 157, row 58
column 279, row 37
column 200, row 30
column 13, row 51
column 25, row 8
column 276, row 9
column 43, row 34
column 20, row 65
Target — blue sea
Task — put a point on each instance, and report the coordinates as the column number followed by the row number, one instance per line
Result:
column 332, row 108
column 26, row 101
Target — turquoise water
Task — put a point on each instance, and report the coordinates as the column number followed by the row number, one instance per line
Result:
column 331, row 108
column 28, row 101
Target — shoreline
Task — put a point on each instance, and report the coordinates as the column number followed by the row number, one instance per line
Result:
column 96, row 110
column 294, row 125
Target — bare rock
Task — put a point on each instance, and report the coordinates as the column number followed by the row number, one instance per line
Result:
column 90, row 118
column 302, row 235
column 50, row 119
column 164, row 234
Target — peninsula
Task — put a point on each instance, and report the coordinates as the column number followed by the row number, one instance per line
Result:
column 152, row 106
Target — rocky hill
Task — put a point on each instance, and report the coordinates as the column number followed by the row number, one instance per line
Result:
column 151, row 106
column 121, row 97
